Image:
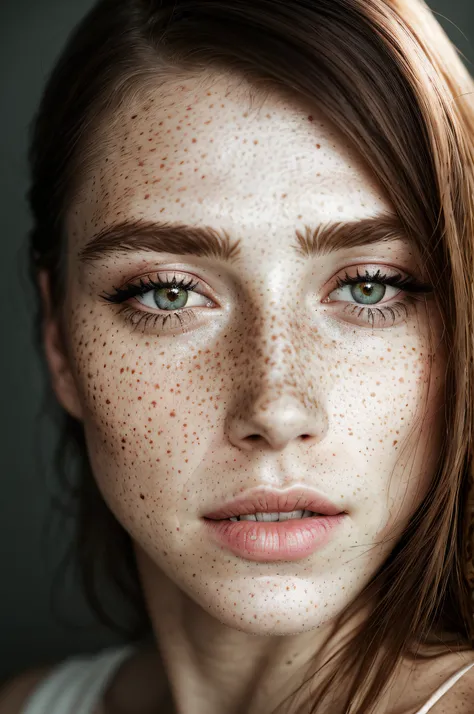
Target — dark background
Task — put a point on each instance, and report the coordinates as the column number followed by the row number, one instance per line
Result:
column 32, row 32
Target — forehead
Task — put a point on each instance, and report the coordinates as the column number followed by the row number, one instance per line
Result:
column 220, row 150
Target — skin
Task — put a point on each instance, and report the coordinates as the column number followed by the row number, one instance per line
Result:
column 178, row 422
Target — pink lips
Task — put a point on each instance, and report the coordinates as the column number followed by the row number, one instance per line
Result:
column 269, row 541
column 276, row 540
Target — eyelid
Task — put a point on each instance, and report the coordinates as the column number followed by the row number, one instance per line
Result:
column 369, row 267
column 383, row 274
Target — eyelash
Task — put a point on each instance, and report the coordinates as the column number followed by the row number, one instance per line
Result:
column 140, row 317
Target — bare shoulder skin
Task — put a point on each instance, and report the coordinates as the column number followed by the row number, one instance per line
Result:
column 413, row 689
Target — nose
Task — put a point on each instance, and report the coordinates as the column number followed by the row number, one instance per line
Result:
column 275, row 400
column 277, row 422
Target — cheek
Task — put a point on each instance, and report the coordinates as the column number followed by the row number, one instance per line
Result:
column 146, row 413
column 386, row 416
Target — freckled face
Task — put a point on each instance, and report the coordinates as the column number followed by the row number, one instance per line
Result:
column 179, row 420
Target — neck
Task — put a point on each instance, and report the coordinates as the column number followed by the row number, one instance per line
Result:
column 212, row 667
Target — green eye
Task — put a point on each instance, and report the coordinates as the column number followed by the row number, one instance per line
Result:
column 170, row 298
column 368, row 293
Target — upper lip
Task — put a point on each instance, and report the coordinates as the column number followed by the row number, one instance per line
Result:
column 265, row 500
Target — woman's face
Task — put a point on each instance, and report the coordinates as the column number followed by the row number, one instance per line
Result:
column 272, row 375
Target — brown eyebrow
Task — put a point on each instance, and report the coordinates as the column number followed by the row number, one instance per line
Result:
column 204, row 241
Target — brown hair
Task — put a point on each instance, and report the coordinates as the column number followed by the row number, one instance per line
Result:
column 389, row 78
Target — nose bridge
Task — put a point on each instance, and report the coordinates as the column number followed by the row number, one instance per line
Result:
column 268, row 351
column 277, row 365
column 276, row 395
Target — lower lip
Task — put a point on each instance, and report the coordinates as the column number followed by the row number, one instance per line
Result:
column 275, row 540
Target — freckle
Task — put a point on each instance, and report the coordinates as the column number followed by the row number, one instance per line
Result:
column 147, row 195
column 395, row 442
column 107, row 401
column 172, row 414
column 318, row 146
column 134, row 116
column 139, row 398
column 194, row 141
column 140, row 163
column 401, row 379
column 255, row 141
column 372, row 394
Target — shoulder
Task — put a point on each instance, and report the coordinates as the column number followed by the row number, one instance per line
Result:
column 459, row 699
column 15, row 692
column 416, row 682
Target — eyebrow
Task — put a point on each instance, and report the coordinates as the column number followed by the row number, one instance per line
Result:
column 204, row 241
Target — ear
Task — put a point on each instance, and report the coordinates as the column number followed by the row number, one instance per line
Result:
column 56, row 354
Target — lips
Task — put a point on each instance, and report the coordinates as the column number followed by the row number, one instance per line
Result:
column 264, row 500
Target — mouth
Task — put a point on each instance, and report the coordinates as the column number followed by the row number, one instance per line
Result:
column 272, row 517
column 274, row 536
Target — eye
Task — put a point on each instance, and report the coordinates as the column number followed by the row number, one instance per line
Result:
column 366, row 291
column 174, row 298
column 171, row 295
column 162, row 294
column 375, row 290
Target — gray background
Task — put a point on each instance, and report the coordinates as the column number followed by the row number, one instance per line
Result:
column 32, row 32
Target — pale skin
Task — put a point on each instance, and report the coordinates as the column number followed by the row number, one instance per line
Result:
column 178, row 421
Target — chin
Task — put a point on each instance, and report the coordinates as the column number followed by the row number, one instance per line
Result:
column 270, row 614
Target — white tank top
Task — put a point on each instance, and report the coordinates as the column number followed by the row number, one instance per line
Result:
column 77, row 685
